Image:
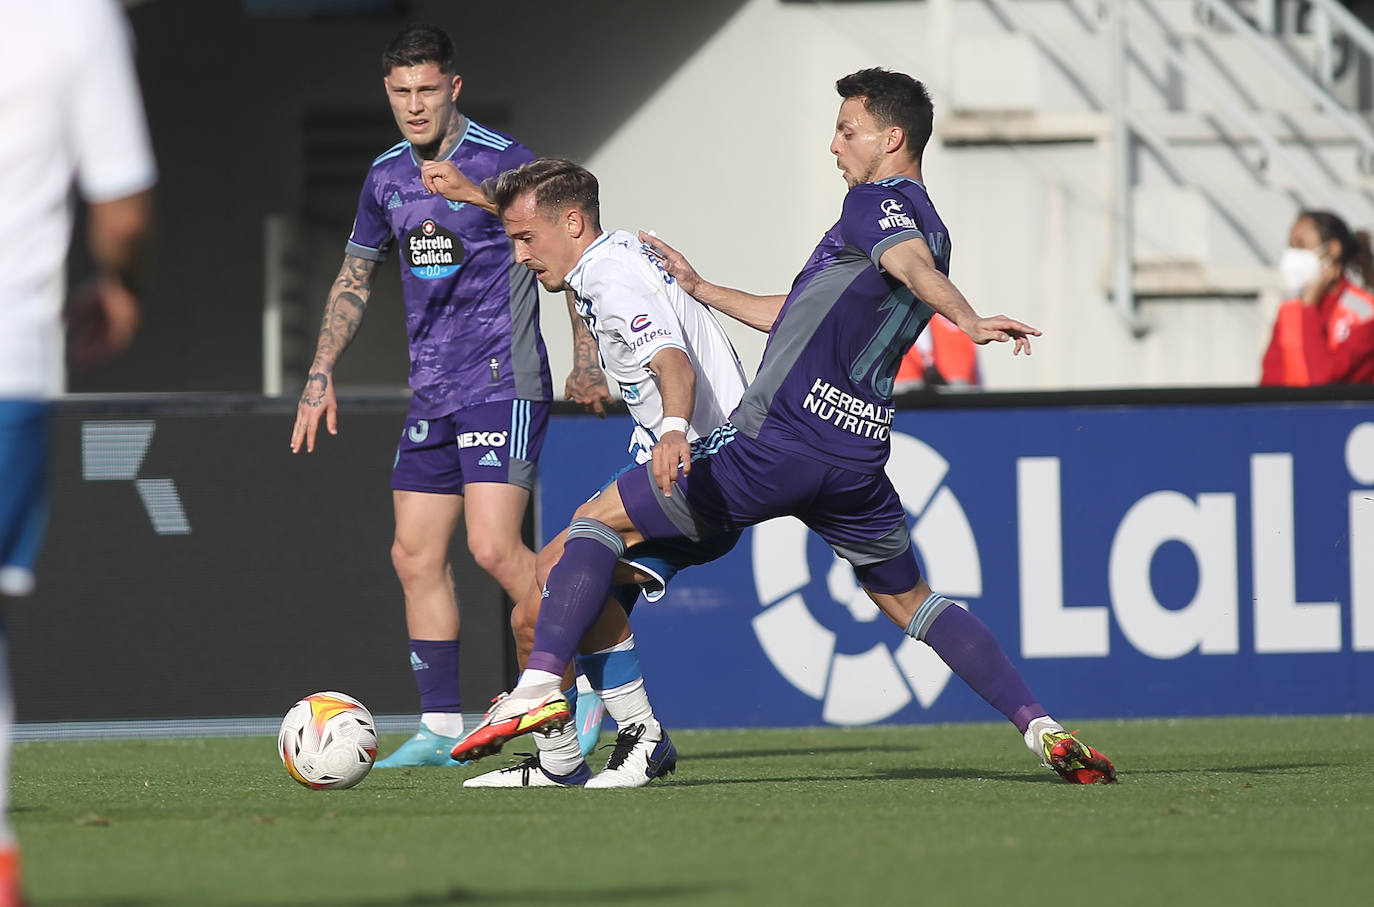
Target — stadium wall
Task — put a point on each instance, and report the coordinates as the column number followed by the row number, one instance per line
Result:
column 1200, row 553
column 195, row 569
column 706, row 121
column 1203, row 552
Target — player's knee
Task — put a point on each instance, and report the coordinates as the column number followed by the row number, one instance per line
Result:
column 492, row 554
column 414, row 564
column 601, row 509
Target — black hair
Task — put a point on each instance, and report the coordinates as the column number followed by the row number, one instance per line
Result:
column 1356, row 253
column 556, row 184
column 417, row 44
column 894, row 99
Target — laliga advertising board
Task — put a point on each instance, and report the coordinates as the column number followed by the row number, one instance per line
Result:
column 1133, row 560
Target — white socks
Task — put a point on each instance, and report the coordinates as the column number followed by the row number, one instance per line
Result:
column 535, row 682
column 1035, row 735
column 560, row 752
column 445, row 724
column 629, row 704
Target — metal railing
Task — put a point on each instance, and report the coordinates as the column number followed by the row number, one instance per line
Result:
column 1124, row 33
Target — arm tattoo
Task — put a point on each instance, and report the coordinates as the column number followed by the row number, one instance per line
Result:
column 343, row 313
column 585, row 354
column 586, row 358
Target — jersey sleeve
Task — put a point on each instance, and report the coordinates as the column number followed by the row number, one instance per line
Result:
column 514, row 156
column 371, row 236
column 631, row 307
column 109, row 133
column 875, row 218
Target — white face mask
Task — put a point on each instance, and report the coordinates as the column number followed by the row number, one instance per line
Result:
column 1299, row 268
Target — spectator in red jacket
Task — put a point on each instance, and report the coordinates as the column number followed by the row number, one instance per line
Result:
column 942, row 354
column 1324, row 333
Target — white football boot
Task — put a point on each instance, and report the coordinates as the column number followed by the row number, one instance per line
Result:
column 638, row 758
column 530, row 773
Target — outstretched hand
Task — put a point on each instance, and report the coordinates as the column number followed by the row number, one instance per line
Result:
column 1000, row 329
column 673, row 262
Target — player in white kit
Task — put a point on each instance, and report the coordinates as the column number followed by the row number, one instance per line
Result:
column 680, row 378
column 71, row 127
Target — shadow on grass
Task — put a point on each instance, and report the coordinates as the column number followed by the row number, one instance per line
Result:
column 894, row 774
column 793, row 751
column 1291, row 768
column 625, row 894
column 610, row 894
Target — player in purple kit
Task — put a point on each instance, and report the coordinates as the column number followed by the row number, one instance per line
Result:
column 478, row 369
column 811, row 435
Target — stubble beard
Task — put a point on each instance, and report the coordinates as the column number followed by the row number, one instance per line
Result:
column 443, row 143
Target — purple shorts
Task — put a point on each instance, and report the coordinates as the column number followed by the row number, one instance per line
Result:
column 738, row 482
column 491, row 442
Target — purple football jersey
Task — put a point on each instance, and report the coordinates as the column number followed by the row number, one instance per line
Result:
column 472, row 312
column 824, row 388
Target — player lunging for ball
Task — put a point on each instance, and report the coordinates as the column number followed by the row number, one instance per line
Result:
column 810, row 437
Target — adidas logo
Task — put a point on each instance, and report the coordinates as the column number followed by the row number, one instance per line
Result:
column 489, row 459
column 394, row 201
column 417, row 663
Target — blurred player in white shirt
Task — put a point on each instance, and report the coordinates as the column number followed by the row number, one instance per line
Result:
column 70, row 114
column 680, row 378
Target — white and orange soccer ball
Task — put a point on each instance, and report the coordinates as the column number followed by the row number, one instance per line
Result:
column 328, row 741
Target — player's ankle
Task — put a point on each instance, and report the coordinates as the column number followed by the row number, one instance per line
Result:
column 445, row 724
column 1035, row 733
column 534, row 682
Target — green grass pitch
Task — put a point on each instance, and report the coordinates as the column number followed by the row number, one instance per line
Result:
column 1228, row 811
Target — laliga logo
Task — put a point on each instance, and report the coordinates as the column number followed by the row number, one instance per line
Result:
column 868, row 686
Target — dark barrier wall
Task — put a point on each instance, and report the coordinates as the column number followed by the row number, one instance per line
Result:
column 1212, row 555
column 1136, row 554
column 195, row 568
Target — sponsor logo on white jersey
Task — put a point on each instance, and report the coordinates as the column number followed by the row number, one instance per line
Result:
column 648, row 337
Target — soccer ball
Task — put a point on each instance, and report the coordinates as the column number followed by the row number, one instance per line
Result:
column 328, row 741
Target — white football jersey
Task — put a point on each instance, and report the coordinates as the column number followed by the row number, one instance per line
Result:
column 635, row 309
column 70, row 112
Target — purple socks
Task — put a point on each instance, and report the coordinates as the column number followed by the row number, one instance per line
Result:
column 575, row 593
column 966, row 644
column 435, row 663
